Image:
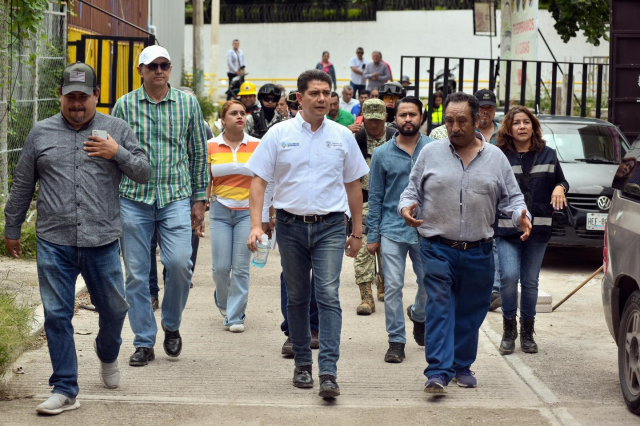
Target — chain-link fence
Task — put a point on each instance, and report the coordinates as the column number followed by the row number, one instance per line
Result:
column 30, row 86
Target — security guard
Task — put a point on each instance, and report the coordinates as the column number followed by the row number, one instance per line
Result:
column 292, row 103
column 391, row 93
column 247, row 95
column 258, row 122
column 373, row 134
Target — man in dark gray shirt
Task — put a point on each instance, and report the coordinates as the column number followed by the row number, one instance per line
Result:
column 78, row 224
column 457, row 182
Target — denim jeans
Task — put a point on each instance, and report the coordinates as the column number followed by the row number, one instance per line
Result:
column 520, row 261
column 313, row 306
column 58, row 270
column 496, row 262
column 357, row 88
column 394, row 257
column 458, row 283
column 303, row 247
column 173, row 223
column 230, row 260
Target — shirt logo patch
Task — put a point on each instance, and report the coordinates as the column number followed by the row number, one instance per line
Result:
column 333, row 144
column 289, row 144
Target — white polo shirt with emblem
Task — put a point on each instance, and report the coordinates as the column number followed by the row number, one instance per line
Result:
column 309, row 169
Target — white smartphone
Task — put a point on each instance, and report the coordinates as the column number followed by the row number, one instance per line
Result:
column 102, row 134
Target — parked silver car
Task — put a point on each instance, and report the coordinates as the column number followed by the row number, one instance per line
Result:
column 621, row 282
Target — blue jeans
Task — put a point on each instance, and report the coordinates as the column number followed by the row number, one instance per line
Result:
column 303, row 247
column 458, row 283
column 313, row 306
column 520, row 261
column 58, row 270
column 357, row 88
column 394, row 258
column 230, row 260
column 496, row 262
column 173, row 224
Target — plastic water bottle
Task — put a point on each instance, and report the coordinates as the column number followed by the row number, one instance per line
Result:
column 259, row 258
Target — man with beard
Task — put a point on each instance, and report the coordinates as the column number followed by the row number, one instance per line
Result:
column 458, row 183
column 390, row 169
column 78, row 224
column 373, row 135
column 391, row 93
column 258, row 122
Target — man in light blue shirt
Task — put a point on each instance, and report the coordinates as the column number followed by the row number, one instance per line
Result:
column 390, row 168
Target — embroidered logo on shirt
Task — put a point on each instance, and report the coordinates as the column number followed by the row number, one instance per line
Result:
column 289, row 144
column 333, row 144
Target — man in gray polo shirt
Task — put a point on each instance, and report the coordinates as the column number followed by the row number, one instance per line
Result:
column 78, row 224
column 376, row 72
column 458, row 182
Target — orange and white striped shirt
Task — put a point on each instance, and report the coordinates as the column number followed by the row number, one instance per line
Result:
column 231, row 180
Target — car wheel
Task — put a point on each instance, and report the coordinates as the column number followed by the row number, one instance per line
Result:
column 629, row 352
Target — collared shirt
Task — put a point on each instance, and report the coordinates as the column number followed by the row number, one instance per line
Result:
column 390, row 169
column 78, row 200
column 348, row 106
column 458, row 202
column 172, row 134
column 235, row 60
column 383, row 74
column 309, row 168
column 494, row 136
column 345, row 118
column 359, row 64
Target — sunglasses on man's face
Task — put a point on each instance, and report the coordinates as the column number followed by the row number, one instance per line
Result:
column 269, row 99
column 165, row 66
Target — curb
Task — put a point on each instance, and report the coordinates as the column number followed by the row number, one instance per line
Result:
column 36, row 328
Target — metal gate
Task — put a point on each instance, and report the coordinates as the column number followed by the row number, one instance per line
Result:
column 625, row 67
column 114, row 60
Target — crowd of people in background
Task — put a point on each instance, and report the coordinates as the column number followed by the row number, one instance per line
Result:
column 470, row 204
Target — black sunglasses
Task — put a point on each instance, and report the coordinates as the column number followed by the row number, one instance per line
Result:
column 165, row 66
column 269, row 99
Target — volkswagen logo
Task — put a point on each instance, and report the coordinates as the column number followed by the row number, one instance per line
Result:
column 604, row 203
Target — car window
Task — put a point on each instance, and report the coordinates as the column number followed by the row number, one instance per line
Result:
column 590, row 143
column 627, row 178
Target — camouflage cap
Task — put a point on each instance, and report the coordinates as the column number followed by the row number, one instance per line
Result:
column 374, row 109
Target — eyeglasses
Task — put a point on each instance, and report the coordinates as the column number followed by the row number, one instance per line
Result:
column 165, row 66
column 269, row 99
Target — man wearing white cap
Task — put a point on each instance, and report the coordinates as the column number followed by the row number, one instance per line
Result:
column 169, row 125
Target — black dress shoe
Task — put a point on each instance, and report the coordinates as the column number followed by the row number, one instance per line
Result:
column 315, row 340
column 172, row 342
column 141, row 357
column 302, row 377
column 328, row 386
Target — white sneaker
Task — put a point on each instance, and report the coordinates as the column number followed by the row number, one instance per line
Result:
column 57, row 403
column 236, row 328
column 109, row 372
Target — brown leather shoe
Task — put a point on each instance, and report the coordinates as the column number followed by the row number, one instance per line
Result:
column 287, row 348
column 315, row 340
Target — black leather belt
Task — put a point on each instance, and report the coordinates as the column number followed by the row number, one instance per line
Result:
column 309, row 218
column 460, row 245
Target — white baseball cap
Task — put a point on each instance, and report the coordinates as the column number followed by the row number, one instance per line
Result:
column 151, row 53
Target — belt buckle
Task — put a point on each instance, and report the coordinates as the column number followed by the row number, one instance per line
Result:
column 304, row 218
column 458, row 243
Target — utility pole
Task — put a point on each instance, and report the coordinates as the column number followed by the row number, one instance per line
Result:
column 198, row 56
column 214, row 50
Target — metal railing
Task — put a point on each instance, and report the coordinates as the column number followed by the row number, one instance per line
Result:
column 556, row 88
column 234, row 13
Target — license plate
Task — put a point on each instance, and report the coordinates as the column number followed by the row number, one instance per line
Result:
column 596, row 221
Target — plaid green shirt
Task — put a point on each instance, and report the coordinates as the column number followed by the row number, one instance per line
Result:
column 172, row 134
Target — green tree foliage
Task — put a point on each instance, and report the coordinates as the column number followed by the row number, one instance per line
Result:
column 588, row 16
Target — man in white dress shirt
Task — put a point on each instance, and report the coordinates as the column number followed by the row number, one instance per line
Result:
column 316, row 166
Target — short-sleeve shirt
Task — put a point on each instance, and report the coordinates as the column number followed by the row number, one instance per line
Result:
column 309, row 169
column 357, row 78
column 345, row 118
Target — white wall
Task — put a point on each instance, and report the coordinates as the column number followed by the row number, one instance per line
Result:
column 283, row 51
column 168, row 18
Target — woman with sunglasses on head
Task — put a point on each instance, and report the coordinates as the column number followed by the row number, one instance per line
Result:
column 229, row 214
column 542, row 182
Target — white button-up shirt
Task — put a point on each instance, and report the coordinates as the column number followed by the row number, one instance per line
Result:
column 309, row 169
column 235, row 60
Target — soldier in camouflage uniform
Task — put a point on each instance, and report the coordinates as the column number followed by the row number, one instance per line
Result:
column 372, row 135
column 258, row 122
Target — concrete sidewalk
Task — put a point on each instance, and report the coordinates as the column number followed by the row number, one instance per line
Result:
column 243, row 379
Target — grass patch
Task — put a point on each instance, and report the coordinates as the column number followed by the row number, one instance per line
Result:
column 27, row 236
column 16, row 319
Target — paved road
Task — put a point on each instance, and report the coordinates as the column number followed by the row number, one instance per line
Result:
column 242, row 378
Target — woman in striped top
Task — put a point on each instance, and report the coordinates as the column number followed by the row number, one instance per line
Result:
column 229, row 214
